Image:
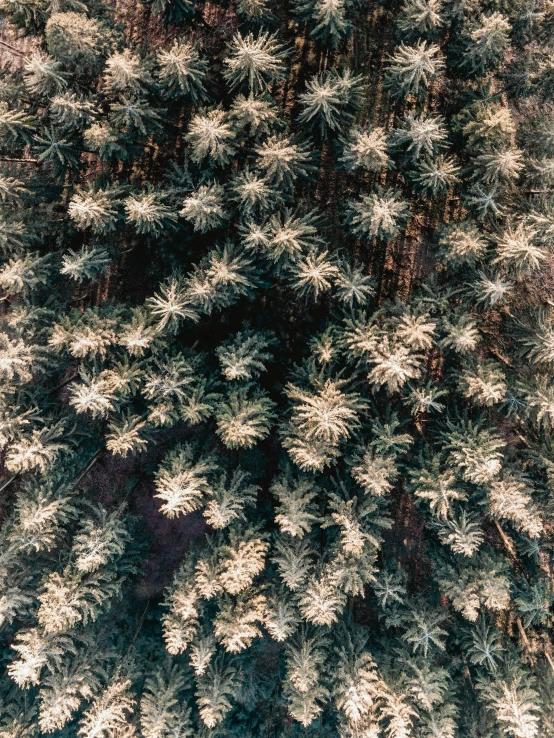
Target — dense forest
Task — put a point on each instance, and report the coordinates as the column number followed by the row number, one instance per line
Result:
column 276, row 344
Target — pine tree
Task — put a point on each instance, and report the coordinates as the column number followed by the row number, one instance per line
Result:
column 296, row 512
column 498, row 166
column 62, row 692
column 182, row 483
column 237, row 621
column 85, row 264
column 283, row 160
column 172, row 11
column 517, row 251
column 244, row 356
column 161, row 713
column 255, row 11
column 24, row 273
column 365, row 149
column 205, row 208
column 475, row 451
column 356, row 691
column 305, row 658
column 211, row 137
column 256, row 61
column 313, row 274
column 487, row 42
column 510, row 499
column 244, row 418
column 254, row 194
column 244, row 558
column 102, row 539
column 412, row 68
column 124, row 437
column 182, row 71
column 75, row 40
column 484, row 646
column 420, row 137
column 330, row 21
column 109, row 713
column 420, row 18
column 437, row 177
column 255, row 114
column 330, row 99
column 44, row 75
column 382, row 215
column 229, row 499
column 72, row 111
column 462, row 243
column 353, row 288
column 484, row 384
column 148, row 214
column 124, row 72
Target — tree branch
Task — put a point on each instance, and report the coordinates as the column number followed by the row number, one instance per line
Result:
column 525, row 640
column 7, row 484
column 523, row 635
column 91, row 463
column 501, row 358
column 64, row 383
column 20, row 161
column 505, row 540
column 139, row 626
column 13, row 49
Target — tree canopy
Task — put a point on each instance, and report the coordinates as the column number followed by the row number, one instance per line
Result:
column 276, row 335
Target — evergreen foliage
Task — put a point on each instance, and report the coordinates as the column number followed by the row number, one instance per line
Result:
column 276, row 342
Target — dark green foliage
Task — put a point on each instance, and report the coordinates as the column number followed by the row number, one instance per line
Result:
column 172, row 11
